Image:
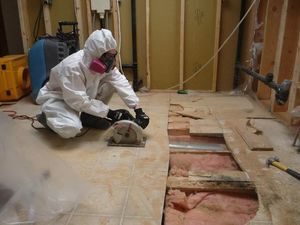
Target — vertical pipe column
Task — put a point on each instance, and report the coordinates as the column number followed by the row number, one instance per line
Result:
column 136, row 82
column 148, row 74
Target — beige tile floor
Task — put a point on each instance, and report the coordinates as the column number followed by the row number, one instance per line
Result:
column 126, row 184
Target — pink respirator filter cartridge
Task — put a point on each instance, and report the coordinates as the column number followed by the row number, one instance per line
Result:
column 97, row 66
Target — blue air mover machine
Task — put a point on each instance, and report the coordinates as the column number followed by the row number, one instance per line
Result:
column 47, row 52
column 44, row 55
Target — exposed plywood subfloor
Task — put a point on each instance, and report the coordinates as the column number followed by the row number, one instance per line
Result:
column 278, row 192
column 128, row 184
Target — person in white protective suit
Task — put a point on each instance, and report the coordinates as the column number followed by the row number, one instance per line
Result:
column 80, row 87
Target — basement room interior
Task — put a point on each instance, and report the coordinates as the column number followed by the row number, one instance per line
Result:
column 149, row 112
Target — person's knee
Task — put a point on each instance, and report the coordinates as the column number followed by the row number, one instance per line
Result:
column 68, row 132
column 65, row 128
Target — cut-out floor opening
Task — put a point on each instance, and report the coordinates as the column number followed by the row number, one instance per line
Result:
column 209, row 208
column 183, row 163
column 206, row 186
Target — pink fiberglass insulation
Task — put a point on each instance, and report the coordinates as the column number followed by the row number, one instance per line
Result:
column 180, row 164
column 209, row 208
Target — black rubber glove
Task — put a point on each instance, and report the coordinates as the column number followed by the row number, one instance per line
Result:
column 119, row 114
column 141, row 118
column 88, row 120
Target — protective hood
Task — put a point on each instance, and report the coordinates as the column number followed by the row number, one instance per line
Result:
column 99, row 42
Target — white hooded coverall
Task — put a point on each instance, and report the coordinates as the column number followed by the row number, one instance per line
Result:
column 74, row 88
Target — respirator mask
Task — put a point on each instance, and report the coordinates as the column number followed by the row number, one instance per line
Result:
column 104, row 64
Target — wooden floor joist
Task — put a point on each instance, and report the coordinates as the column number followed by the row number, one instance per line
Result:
column 226, row 175
column 225, row 184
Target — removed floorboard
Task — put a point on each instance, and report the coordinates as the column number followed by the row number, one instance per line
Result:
column 206, row 127
column 254, row 138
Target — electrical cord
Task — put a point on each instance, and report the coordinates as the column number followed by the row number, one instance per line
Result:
column 219, row 49
column 13, row 114
column 6, row 104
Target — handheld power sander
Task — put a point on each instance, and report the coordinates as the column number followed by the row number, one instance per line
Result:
column 126, row 133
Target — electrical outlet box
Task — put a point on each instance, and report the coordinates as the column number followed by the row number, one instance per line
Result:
column 100, row 6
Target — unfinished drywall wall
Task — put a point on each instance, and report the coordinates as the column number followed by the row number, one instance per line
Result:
column 169, row 74
column 198, row 46
column 126, row 36
column 61, row 11
column 200, row 27
column 164, row 38
column 164, row 43
column 227, row 57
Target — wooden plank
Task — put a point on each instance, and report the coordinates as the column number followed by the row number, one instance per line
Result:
column 116, row 24
column 271, row 31
column 216, row 47
column 249, row 26
column 47, row 19
column 89, row 16
column 181, row 41
column 174, row 119
column 25, row 25
column 287, row 46
column 205, row 127
column 178, row 128
column 253, row 137
column 79, row 18
column 198, row 184
column 255, row 169
column 226, row 175
column 178, row 125
column 293, row 102
column 114, row 11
